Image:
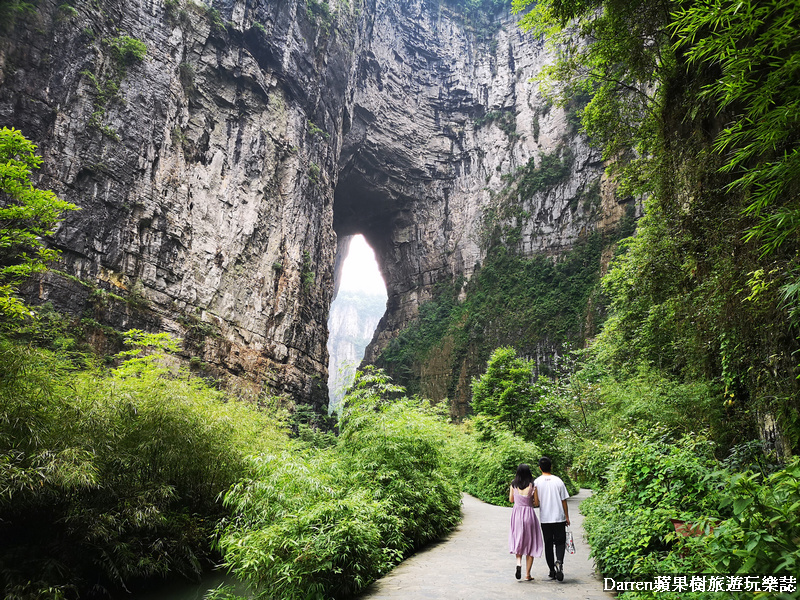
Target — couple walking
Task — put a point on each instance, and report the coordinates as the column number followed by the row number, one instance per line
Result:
column 527, row 535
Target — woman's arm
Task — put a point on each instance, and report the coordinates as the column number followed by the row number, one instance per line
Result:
column 535, row 497
column 511, row 494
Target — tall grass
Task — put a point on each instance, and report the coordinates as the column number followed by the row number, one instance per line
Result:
column 328, row 522
column 110, row 477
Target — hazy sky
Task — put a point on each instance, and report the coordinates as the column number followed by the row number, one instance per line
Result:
column 360, row 272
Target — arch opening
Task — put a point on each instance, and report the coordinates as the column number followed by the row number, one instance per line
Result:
column 358, row 305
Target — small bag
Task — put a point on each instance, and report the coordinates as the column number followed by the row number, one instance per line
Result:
column 570, row 542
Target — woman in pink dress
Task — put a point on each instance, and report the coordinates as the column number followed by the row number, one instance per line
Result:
column 525, row 536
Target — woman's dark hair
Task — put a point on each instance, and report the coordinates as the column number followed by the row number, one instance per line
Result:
column 524, row 477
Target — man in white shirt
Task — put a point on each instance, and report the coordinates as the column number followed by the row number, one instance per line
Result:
column 551, row 495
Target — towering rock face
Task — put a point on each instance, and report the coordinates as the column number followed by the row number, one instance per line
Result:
column 205, row 171
column 443, row 119
column 215, row 172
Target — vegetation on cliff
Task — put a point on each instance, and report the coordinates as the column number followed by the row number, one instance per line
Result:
column 689, row 395
column 706, row 95
column 529, row 303
column 27, row 214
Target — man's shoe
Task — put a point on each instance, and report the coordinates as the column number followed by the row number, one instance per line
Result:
column 551, row 575
column 559, row 572
column 518, row 573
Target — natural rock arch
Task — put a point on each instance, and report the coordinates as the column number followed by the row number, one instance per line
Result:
column 215, row 180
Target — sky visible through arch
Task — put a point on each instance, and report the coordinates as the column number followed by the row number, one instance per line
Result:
column 360, row 273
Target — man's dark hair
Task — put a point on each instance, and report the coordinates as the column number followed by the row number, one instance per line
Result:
column 545, row 464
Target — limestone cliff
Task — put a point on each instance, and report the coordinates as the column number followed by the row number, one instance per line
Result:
column 351, row 323
column 216, row 171
column 442, row 120
column 205, row 171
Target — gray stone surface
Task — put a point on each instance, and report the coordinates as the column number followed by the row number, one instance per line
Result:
column 473, row 563
column 215, row 175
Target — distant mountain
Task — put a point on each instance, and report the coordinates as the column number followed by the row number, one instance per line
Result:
column 351, row 325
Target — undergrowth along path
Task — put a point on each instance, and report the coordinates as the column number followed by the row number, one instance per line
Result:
column 473, row 563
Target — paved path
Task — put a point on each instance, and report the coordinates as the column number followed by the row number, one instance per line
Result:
column 473, row 563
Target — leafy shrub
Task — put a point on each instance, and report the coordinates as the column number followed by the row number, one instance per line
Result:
column 215, row 19
column 650, row 480
column 746, row 523
column 398, row 451
column 319, row 13
column 66, row 12
column 505, row 119
column 510, row 392
column 127, row 50
column 763, row 532
column 592, row 463
column 299, row 531
column 486, row 458
column 327, row 522
column 506, row 390
column 11, row 9
column 107, row 478
column 187, row 76
column 649, row 399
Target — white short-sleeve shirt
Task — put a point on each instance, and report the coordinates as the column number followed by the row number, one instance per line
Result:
column 551, row 492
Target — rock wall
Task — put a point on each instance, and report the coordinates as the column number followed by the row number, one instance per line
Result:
column 215, row 174
column 443, row 119
column 205, row 172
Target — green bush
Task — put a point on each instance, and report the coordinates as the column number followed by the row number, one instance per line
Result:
column 762, row 536
column 747, row 523
column 10, row 10
column 398, row 452
column 300, row 531
column 649, row 481
column 526, row 405
column 650, row 399
column 486, row 457
column 327, row 522
column 127, row 50
column 109, row 478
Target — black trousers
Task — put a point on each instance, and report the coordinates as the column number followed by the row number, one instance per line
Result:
column 554, row 534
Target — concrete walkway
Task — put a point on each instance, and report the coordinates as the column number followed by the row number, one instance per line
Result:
column 473, row 563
